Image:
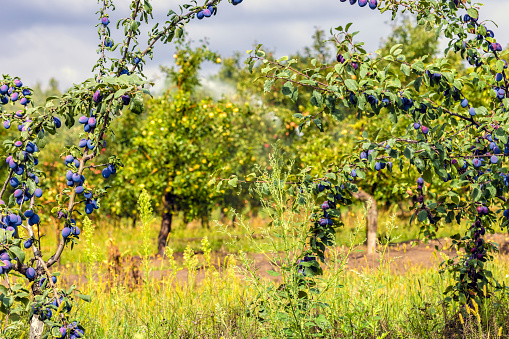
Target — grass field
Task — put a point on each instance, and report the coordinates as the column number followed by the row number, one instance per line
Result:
column 127, row 238
column 364, row 303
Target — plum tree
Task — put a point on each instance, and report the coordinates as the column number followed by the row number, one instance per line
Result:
column 321, row 150
column 117, row 84
column 451, row 145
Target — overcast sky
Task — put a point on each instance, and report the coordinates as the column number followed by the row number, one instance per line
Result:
column 57, row 38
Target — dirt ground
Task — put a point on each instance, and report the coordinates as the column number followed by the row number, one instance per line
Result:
column 403, row 256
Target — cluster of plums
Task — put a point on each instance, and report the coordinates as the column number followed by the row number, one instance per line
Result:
column 22, row 158
column 23, row 121
column 341, row 59
column 482, row 210
column 379, row 165
column 19, row 180
column 434, row 77
column 500, row 92
column 74, row 179
column 72, row 330
column 77, row 181
column 422, row 128
column 492, row 46
column 372, row 3
column 210, row 10
column 45, row 312
column 89, row 123
column 325, row 219
column 476, row 248
column 97, row 97
column 476, row 60
column 13, row 91
column 206, row 13
column 5, row 262
column 70, row 229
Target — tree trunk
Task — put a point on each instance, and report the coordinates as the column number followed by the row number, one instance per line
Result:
column 234, row 218
column 205, row 221
column 372, row 222
column 36, row 325
column 167, row 218
column 36, row 328
column 134, row 222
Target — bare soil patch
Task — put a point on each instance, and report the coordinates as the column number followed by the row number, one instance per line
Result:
column 404, row 256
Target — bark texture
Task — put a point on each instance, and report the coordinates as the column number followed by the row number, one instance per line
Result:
column 166, row 221
column 36, row 328
column 372, row 222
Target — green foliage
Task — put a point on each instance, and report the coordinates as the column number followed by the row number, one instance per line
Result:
column 449, row 146
column 146, row 216
column 299, row 302
column 96, row 101
column 182, row 140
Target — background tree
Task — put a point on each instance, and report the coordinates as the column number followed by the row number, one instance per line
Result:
column 322, row 150
column 182, row 139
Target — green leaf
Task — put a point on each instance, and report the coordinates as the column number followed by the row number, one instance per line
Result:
column 218, row 187
column 351, row 85
column 233, row 182
column 423, row 215
column 476, row 194
column 273, row 273
column 317, row 99
column 18, row 252
column 473, row 13
column 120, row 92
column 393, row 48
column 318, row 124
column 51, row 98
column 427, row 175
column 417, row 83
column 267, row 87
column 331, row 176
column 405, row 69
column 500, row 66
column 211, row 182
column 418, row 66
column 408, row 152
column 84, row 297
column 361, row 174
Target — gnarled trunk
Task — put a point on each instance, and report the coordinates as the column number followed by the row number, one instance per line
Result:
column 36, row 328
column 167, row 218
column 372, row 222
column 36, row 325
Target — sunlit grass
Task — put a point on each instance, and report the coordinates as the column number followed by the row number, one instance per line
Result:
column 127, row 238
column 367, row 302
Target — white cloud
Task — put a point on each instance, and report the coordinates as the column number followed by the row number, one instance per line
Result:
column 57, row 38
